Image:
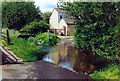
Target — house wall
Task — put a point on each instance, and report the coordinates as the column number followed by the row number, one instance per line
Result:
column 63, row 24
column 57, row 24
column 54, row 20
column 70, row 29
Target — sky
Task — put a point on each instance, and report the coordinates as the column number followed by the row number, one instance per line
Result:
column 46, row 5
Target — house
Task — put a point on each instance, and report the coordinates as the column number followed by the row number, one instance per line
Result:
column 60, row 24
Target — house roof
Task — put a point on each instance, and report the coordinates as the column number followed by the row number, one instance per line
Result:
column 59, row 10
column 69, row 21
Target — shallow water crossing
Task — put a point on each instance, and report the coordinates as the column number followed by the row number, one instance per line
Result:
column 70, row 58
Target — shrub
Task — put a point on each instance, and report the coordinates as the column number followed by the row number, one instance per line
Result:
column 24, row 49
column 43, row 38
column 95, row 27
column 35, row 27
column 30, row 49
column 110, row 72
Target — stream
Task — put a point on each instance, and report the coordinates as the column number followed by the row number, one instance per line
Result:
column 72, row 59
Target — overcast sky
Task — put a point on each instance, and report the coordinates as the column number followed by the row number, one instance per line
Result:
column 46, row 5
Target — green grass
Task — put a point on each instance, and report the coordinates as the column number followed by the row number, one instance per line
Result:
column 30, row 50
column 110, row 72
column 24, row 49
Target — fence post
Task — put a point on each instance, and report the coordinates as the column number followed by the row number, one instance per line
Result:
column 8, row 38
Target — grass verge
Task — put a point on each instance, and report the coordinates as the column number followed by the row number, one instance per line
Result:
column 24, row 49
column 110, row 72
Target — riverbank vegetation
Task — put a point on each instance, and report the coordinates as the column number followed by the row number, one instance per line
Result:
column 30, row 49
column 109, row 72
column 47, row 38
column 27, row 32
column 96, row 30
column 24, row 49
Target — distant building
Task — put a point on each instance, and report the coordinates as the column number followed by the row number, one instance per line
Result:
column 59, row 24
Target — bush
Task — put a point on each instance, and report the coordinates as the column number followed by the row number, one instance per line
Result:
column 30, row 49
column 96, row 27
column 35, row 27
column 25, row 50
column 110, row 72
column 43, row 38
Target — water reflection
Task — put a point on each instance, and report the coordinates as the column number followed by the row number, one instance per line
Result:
column 83, row 62
column 61, row 55
column 74, row 60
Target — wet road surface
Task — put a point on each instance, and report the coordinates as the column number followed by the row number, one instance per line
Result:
column 39, row 70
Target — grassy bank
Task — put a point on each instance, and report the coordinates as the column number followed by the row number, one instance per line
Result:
column 23, row 49
column 109, row 72
column 30, row 49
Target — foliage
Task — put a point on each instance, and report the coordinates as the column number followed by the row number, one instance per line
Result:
column 43, row 38
column 35, row 27
column 30, row 49
column 110, row 72
column 12, row 32
column 16, row 14
column 118, row 38
column 95, row 26
column 46, row 16
column 24, row 49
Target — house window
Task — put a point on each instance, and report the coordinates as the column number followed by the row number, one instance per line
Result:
column 61, row 17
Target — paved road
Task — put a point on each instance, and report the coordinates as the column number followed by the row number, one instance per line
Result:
column 38, row 70
column 41, row 69
column 66, row 40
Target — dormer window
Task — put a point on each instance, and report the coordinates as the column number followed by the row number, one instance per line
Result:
column 62, row 14
column 61, row 17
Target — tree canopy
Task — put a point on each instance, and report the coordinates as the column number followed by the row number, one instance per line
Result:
column 96, row 26
column 46, row 16
column 35, row 27
column 16, row 14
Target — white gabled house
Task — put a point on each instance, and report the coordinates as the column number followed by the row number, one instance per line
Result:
column 59, row 24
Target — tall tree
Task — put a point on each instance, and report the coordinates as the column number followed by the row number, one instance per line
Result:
column 46, row 16
column 16, row 14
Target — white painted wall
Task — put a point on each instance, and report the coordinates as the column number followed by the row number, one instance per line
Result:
column 63, row 23
column 54, row 20
column 56, row 23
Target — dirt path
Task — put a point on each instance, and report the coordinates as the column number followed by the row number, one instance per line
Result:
column 38, row 70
